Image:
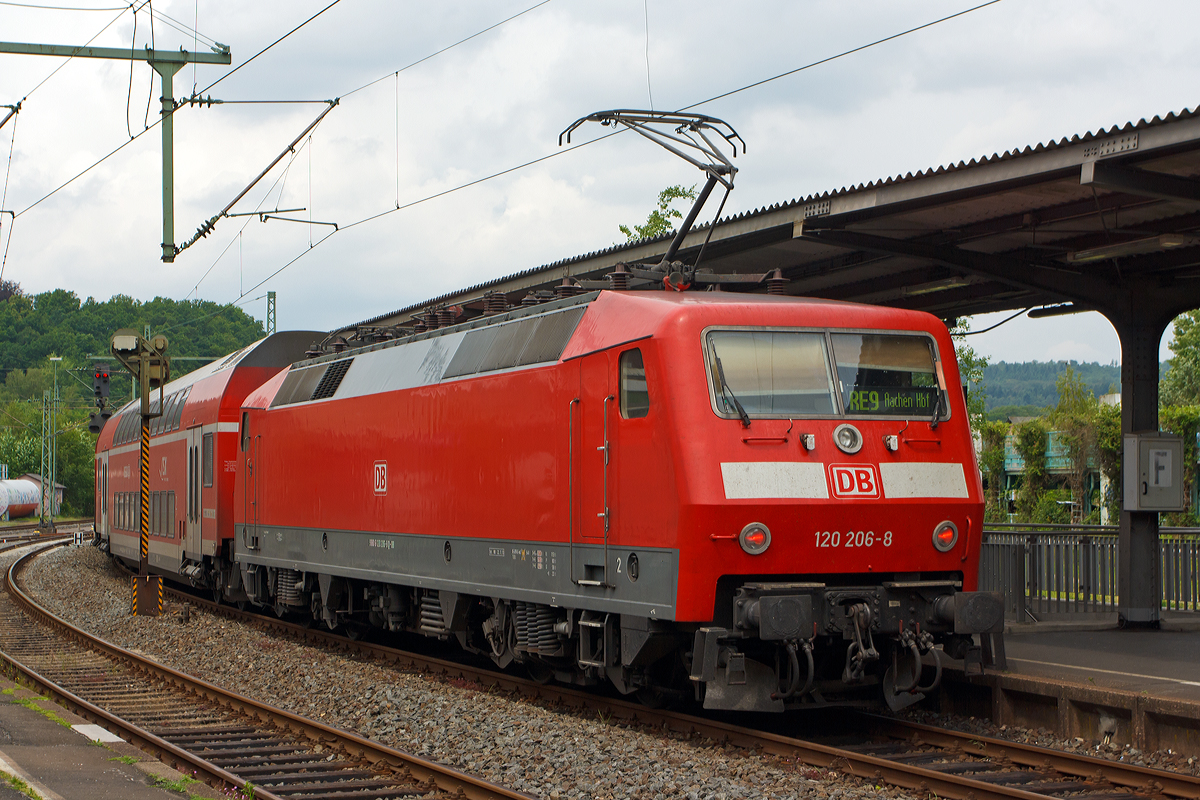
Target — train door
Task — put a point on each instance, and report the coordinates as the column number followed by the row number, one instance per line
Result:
column 592, row 468
column 249, row 447
column 191, row 526
column 102, row 524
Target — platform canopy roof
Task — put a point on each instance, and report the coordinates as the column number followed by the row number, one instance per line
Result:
column 1106, row 221
column 1066, row 222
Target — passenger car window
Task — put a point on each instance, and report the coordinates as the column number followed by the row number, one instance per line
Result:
column 208, row 459
column 635, row 395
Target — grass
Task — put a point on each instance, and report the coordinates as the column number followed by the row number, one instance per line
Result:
column 124, row 759
column 20, row 785
column 45, row 712
column 179, row 785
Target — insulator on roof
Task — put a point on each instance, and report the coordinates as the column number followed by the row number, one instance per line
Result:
column 618, row 279
column 530, row 299
column 494, row 303
column 568, row 288
column 777, row 284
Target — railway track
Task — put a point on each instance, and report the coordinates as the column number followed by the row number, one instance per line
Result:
column 225, row 739
column 913, row 756
column 32, row 531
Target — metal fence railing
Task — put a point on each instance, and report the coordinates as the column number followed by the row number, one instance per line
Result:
column 1061, row 570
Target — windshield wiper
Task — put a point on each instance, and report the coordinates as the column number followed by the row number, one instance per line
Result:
column 725, row 388
column 937, row 411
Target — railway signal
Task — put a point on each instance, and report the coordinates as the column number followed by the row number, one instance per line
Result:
column 98, row 419
column 146, row 359
column 100, row 380
column 100, row 384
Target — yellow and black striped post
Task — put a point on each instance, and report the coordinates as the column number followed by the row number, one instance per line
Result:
column 147, row 595
column 146, row 359
column 145, row 538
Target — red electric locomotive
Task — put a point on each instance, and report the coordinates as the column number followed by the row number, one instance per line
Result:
column 768, row 501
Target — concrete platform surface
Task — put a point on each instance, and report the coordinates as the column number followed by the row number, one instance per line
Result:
column 60, row 763
column 1162, row 663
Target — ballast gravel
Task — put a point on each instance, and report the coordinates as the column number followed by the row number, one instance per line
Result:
column 519, row 743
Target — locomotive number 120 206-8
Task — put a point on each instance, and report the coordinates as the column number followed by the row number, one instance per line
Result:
column 853, row 539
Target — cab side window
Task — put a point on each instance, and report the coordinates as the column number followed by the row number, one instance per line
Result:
column 634, row 394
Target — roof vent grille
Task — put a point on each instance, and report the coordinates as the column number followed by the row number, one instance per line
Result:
column 332, row 379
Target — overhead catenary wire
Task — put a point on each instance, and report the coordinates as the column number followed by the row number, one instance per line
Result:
column 67, row 60
column 396, row 74
column 238, row 238
column 427, row 199
column 88, row 169
column 150, row 86
column 649, row 91
column 268, row 47
column 65, row 8
column 185, row 29
column 207, row 226
column 842, row 54
column 4, row 199
column 151, row 126
column 220, row 309
column 447, row 47
column 566, row 150
column 132, row 61
column 122, row 146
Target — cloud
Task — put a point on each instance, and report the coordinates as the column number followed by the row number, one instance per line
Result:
column 1006, row 76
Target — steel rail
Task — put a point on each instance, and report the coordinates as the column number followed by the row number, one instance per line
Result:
column 446, row 779
column 1172, row 784
column 6, row 530
column 862, row 765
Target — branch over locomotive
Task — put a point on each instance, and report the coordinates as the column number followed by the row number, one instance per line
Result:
column 767, row 501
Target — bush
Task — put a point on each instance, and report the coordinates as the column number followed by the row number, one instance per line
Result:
column 1053, row 507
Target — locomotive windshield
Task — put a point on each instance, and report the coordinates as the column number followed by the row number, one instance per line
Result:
column 765, row 373
column 771, row 373
column 886, row 374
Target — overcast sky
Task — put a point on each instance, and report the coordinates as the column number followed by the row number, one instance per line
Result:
column 1015, row 73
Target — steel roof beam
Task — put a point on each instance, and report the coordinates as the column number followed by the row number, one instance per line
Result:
column 1055, row 281
column 1102, row 174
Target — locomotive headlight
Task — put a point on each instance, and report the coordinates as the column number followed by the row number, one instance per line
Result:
column 755, row 538
column 945, row 535
column 847, row 438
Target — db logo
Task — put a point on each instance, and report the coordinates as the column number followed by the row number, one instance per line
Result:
column 854, row 480
column 380, row 477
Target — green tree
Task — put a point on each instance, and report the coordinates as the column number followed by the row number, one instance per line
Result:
column 1181, row 385
column 991, row 462
column 1183, row 421
column 1030, row 444
column 1075, row 418
column 659, row 221
column 35, row 327
column 1110, row 447
column 970, row 368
